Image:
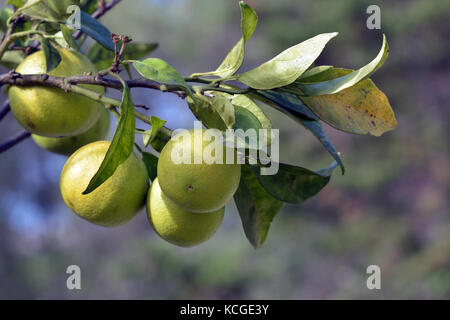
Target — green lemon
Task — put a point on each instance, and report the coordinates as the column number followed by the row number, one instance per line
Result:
column 177, row 225
column 69, row 145
column 201, row 186
column 52, row 112
column 113, row 203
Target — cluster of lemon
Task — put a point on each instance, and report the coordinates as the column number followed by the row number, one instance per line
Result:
column 185, row 204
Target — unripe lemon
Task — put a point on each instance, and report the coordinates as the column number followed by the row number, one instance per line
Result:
column 69, row 145
column 201, row 187
column 51, row 112
column 177, row 225
column 114, row 202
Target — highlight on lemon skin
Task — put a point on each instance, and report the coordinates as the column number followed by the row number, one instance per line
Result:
column 113, row 203
column 177, row 225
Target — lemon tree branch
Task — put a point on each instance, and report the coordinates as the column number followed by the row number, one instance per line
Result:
column 14, row 140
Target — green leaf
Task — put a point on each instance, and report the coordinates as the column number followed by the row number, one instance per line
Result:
column 5, row 13
column 11, row 59
column 122, row 143
column 151, row 163
column 247, row 115
column 90, row 6
column 327, row 172
column 224, row 109
column 286, row 67
column 103, row 58
column 316, row 129
column 48, row 10
column 160, row 139
column 149, row 135
column 60, row 6
column 52, row 57
column 313, row 72
column 256, row 207
column 68, row 37
column 293, row 107
column 59, row 39
column 359, row 109
column 39, row 9
column 293, row 184
column 214, row 112
column 245, row 120
column 202, row 110
column 158, row 70
column 246, row 102
column 96, row 30
column 16, row 3
column 138, row 50
column 318, row 87
column 235, row 57
column 289, row 101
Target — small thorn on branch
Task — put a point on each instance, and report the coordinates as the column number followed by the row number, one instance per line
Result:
column 142, row 106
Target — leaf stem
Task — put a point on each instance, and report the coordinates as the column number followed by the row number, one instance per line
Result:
column 199, row 80
column 11, row 37
column 227, row 90
column 21, row 9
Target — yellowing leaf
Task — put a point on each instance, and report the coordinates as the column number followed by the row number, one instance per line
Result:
column 359, row 109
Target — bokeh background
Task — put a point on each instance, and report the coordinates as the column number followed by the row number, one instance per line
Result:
column 390, row 209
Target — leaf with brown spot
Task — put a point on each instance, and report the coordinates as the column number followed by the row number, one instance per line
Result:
column 359, row 109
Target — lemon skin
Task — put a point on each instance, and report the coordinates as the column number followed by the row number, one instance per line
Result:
column 196, row 187
column 52, row 112
column 177, row 225
column 113, row 203
column 68, row 145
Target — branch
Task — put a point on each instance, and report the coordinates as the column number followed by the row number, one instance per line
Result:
column 14, row 78
column 99, row 13
column 4, row 109
column 14, row 140
column 6, row 38
column 68, row 84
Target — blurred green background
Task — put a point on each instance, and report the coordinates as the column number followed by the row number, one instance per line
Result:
column 391, row 208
